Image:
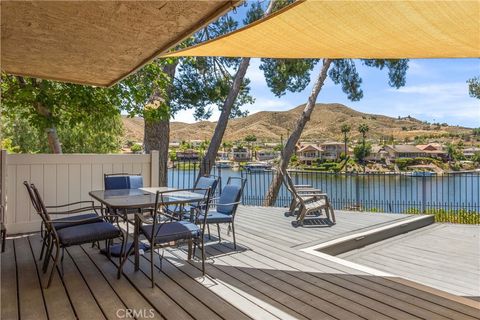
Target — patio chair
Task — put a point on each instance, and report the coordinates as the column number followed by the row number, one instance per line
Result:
column 161, row 231
column 226, row 207
column 69, row 220
column 303, row 190
column 122, row 181
column 76, row 233
column 310, row 202
column 206, row 182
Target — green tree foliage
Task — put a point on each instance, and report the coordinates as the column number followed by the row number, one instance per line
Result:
column 203, row 83
column 251, row 138
column 86, row 118
column 474, row 87
column 361, row 151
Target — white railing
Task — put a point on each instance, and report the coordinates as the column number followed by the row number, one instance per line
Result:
column 62, row 179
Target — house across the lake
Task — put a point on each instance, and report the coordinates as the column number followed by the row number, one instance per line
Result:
column 404, row 151
column 332, row 150
column 470, row 152
column 240, row 154
column 309, row 154
column 433, row 150
column 267, row 154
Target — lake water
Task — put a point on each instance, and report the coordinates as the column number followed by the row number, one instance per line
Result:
column 377, row 192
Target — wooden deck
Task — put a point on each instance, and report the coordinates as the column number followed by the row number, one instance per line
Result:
column 444, row 256
column 268, row 277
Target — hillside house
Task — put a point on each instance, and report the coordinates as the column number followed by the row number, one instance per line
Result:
column 223, row 155
column 433, row 150
column 378, row 153
column 267, row 154
column 468, row 153
column 240, row 154
column 332, row 150
column 309, row 154
column 404, row 151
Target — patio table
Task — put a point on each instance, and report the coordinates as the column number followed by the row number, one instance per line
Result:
column 121, row 200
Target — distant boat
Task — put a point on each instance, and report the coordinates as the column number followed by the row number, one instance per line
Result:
column 257, row 166
column 420, row 174
column 224, row 164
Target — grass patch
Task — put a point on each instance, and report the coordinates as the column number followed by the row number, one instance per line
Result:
column 461, row 216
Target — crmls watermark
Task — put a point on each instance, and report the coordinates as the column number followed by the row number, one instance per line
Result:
column 135, row 313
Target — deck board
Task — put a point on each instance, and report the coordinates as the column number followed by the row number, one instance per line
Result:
column 267, row 277
column 443, row 256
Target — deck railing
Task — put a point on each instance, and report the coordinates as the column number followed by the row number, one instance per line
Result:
column 449, row 196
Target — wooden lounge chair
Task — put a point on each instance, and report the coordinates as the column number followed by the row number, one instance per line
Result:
column 310, row 201
column 303, row 190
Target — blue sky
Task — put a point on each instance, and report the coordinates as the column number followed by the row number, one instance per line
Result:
column 436, row 91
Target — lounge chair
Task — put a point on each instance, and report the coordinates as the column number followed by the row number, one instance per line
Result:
column 305, row 191
column 310, row 202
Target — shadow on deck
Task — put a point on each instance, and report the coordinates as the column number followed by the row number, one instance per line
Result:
column 268, row 277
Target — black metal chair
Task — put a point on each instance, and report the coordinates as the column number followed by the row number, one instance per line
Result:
column 226, row 207
column 163, row 230
column 60, row 223
column 74, row 232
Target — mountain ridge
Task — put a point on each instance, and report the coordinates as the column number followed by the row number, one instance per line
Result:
column 324, row 125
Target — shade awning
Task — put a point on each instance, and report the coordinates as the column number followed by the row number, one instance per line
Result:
column 356, row 29
column 95, row 42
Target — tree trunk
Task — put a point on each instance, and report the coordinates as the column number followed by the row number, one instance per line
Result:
column 289, row 148
column 52, row 136
column 156, row 137
column 209, row 160
column 157, row 131
column 53, row 140
column 216, row 141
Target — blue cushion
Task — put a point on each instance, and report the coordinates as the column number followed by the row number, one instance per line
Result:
column 230, row 194
column 67, row 221
column 87, row 233
column 216, row 217
column 171, row 231
column 123, row 182
column 206, row 182
column 116, row 182
column 136, row 182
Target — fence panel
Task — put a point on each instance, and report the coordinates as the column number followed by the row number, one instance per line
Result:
column 62, row 179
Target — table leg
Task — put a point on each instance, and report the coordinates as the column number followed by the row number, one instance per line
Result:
column 190, row 245
column 136, row 242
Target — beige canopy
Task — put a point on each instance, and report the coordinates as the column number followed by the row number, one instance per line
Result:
column 95, row 42
column 356, row 29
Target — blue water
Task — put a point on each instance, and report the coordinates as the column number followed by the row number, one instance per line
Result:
column 378, row 192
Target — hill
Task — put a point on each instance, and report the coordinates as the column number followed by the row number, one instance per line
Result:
column 324, row 125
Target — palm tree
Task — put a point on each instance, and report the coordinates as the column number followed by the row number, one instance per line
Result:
column 363, row 129
column 345, row 130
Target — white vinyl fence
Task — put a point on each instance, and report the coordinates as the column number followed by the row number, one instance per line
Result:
column 61, row 179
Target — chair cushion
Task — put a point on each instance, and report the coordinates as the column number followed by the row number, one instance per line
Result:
column 206, row 182
column 230, row 194
column 116, row 182
column 66, row 222
column 86, row 233
column 216, row 217
column 123, row 182
column 171, row 231
column 135, row 182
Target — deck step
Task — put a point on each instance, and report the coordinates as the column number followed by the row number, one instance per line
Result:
column 361, row 239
